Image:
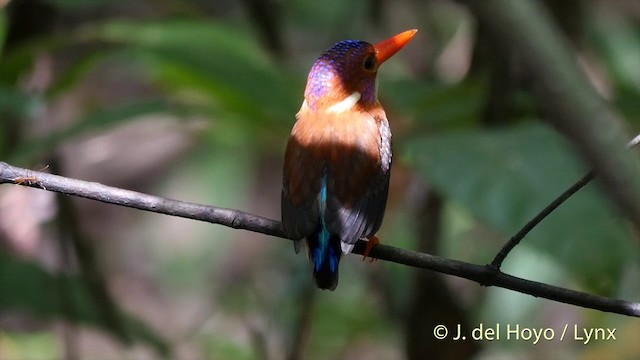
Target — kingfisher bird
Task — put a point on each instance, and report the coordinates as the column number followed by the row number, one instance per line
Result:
column 338, row 158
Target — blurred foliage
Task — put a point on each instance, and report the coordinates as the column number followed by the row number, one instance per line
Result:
column 23, row 287
column 183, row 57
column 93, row 121
column 504, row 177
column 215, row 293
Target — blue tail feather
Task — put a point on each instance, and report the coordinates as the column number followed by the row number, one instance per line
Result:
column 324, row 252
column 324, row 248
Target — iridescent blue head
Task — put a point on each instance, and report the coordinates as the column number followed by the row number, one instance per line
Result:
column 346, row 72
column 345, row 68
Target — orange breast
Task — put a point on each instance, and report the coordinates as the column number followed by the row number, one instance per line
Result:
column 344, row 146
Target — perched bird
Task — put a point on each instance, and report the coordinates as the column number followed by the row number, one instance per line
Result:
column 338, row 158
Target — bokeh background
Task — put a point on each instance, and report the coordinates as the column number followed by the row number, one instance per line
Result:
column 194, row 100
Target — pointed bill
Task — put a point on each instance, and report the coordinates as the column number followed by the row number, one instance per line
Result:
column 387, row 48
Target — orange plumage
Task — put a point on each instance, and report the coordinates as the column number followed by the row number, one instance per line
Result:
column 338, row 159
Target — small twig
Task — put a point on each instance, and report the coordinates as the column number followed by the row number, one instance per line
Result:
column 515, row 239
column 483, row 274
column 635, row 141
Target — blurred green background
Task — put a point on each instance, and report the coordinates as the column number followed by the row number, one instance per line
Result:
column 194, row 100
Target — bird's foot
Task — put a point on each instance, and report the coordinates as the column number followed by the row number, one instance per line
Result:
column 373, row 241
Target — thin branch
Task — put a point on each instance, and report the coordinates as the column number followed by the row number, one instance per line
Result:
column 635, row 141
column 95, row 191
column 515, row 239
column 485, row 275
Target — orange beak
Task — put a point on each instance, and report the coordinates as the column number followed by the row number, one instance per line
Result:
column 387, row 48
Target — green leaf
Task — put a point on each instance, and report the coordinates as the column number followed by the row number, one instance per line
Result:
column 505, row 177
column 219, row 63
column 217, row 69
column 27, row 287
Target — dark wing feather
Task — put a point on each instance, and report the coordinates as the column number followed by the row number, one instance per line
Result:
column 362, row 219
column 301, row 185
column 357, row 203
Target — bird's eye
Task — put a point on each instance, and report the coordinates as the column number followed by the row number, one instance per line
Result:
column 370, row 63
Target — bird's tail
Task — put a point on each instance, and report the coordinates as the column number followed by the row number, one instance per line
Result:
column 324, row 253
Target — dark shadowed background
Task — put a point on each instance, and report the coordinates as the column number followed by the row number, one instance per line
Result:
column 194, row 100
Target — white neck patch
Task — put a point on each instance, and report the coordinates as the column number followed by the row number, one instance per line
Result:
column 346, row 104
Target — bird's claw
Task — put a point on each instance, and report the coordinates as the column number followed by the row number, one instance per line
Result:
column 373, row 241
